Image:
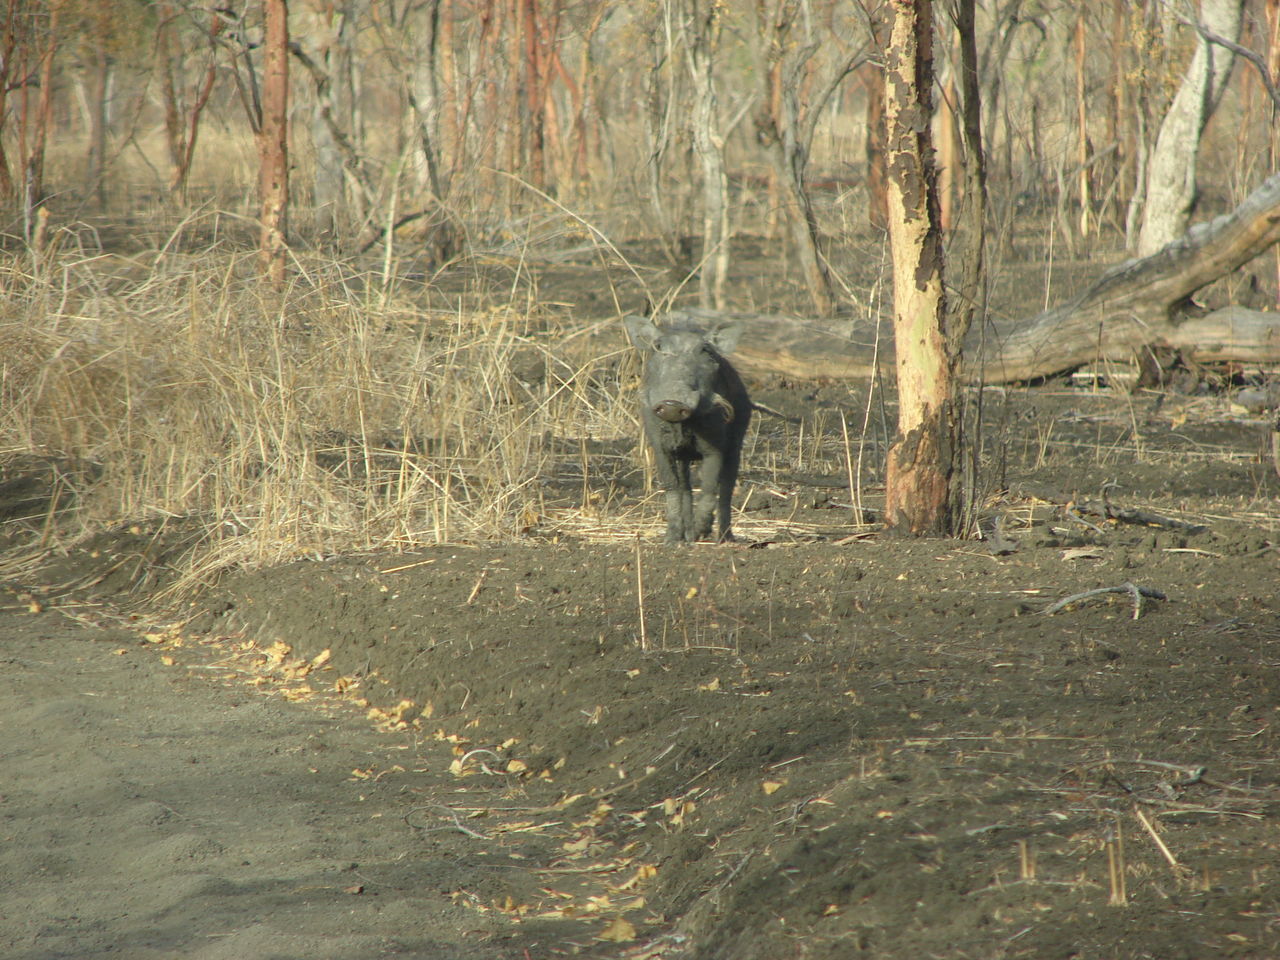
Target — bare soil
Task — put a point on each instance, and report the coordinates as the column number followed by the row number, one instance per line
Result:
column 818, row 742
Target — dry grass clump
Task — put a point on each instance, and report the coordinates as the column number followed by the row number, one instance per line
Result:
column 329, row 418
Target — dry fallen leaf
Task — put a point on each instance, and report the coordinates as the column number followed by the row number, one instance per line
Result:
column 711, row 687
column 619, row 931
column 770, row 787
column 644, row 872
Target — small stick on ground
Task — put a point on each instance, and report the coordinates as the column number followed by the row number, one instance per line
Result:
column 475, row 591
column 1116, row 866
column 1132, row 589
column 1168, row 854
column 407, row 566
column 1070, row 511
column 453, row 814
column 644, row 637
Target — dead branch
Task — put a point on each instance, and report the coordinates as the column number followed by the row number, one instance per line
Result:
column 1144, row 518
column 1135, row 591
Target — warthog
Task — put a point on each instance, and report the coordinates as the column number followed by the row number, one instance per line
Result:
column 695, row 409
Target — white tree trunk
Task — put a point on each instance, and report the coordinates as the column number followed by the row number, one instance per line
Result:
column 701, row 26
column 1171, row 176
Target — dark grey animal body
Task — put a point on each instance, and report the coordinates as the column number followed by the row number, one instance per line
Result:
column 695, row 409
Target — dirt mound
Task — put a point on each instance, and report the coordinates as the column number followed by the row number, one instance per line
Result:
column 816, row 743
column 816, row 750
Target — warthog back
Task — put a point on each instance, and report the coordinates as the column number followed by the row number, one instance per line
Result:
column 695, row 410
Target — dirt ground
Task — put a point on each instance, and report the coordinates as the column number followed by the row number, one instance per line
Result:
column 817, row 742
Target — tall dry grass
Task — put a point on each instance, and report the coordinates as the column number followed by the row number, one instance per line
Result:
column 334, row 417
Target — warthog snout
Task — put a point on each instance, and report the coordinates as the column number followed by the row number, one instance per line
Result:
column 673, row 411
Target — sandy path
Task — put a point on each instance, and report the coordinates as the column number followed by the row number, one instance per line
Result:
column 145, row 813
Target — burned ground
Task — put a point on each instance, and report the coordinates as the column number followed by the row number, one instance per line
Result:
column 818, row 742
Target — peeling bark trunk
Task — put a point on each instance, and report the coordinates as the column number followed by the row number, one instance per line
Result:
column 922, row 458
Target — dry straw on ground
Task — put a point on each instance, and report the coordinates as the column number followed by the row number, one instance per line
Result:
column 333, row 418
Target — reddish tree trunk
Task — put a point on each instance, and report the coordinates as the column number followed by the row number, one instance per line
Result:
column 273, row 142
column 10, row 42
column 33, row 174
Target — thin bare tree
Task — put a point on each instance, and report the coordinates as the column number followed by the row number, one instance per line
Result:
column 786, row 121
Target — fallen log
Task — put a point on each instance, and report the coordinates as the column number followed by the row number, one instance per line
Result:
column 1137, row 303
column 1147, row 301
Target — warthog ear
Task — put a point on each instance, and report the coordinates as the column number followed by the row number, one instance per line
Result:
column 725, row 337
column 643, row 332
column 724, row 406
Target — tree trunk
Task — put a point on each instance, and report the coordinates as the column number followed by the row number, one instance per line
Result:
column 701, row 27
column 181, row 140
column 1171, row 177
column 873, row 80
column 533, row 78
column 273, row 143
column 660, row 95
column 1082, row 130
column 33, row 186
column 922, row 458
column 428, row 110
column 97, row 91
column 332, row 114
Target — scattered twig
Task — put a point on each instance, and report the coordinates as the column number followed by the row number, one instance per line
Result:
column 773, row 413
column 462, row 761
column 644, row 639
column 475, row 591
column 1070, row 512
column 1146, row 825
column 1130, row 588
column 1116, row 866
column 453, row 814
column 407, row 566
